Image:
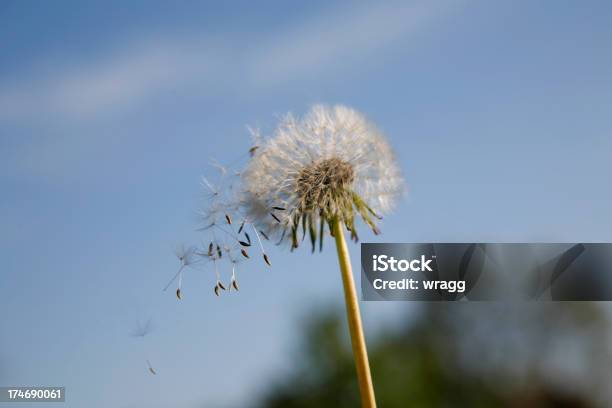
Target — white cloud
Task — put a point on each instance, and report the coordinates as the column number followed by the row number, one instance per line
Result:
column 349, row 33
column 108, row 84
column 131, row 75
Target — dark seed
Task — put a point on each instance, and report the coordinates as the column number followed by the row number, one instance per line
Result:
column 245, row 244
column 235, row 285
column 263, row 234
column 304, row 223
column 241, row 227
column 216, row 290
column 267, row 259
column 244, row 253
column 178, row 294
column 228, row 219
column 294, row 240
column 221, row 285
column 248, row 238
column 219, row 251
column 275, row 217
column 252, row 150
column 321, row 234
column 210, row 249
column 278, row 208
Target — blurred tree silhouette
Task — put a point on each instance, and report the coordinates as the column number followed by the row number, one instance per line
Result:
column 460, row 355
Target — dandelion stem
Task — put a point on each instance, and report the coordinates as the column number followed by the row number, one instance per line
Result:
column 360, row 352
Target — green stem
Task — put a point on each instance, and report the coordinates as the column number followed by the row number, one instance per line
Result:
column 360, row 353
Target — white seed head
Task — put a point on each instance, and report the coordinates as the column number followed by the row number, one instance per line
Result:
column 330, row 164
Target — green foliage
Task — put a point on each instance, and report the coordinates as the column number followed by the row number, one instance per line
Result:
column 443, row 359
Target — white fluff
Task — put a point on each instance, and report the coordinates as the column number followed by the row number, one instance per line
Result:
column 271, row 177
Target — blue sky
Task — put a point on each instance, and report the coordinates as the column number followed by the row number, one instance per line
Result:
column 500, row 113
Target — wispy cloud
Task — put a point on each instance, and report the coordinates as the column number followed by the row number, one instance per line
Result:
column 109, row 83
column 347, row 35
column 132, row 74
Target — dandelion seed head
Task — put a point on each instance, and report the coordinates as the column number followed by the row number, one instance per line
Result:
column 330, row 164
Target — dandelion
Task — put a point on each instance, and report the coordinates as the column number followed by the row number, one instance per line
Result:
column 314, row 177
column 331, row 165
column 325, row 170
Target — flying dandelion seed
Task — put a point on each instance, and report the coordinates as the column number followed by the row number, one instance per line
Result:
column 142, row 329
column 233, row 279
column 216, row 256
column 187, row 256
column 213, row 191
column 261, row 247
column 222, row 169
column 256, row 136
column 234, row 284
column 151, row 369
